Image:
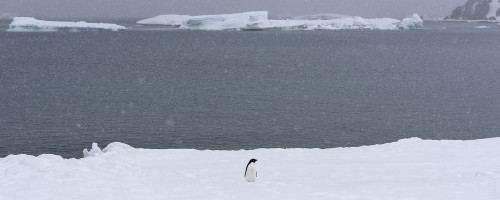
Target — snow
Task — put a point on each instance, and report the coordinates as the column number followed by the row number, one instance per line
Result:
column 31, row 24
column 492, row 12
column 258, row 20
column 411, row 23
column 407, row 169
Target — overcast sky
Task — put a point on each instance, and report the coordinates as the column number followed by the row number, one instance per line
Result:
column 149, row 8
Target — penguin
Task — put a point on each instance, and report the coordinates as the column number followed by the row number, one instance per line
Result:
column 251, row 171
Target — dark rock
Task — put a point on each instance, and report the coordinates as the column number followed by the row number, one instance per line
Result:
column 472, row 10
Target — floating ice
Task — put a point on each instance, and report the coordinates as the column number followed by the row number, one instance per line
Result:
column 407, row 169
column 168, row 20
column 333, row 24
column 208, row 22
column 225, row 21
column 322, row 16
column 32, row 24
column 481, row 27
column 411, row 23
column 258, row 20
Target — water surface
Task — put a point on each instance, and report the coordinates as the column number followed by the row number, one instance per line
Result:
column 153, row 87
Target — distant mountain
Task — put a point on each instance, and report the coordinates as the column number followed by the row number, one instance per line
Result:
column 7, row 15
column 477, row 10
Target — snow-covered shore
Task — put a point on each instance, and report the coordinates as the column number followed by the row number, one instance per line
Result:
column 407, row 169
column 258, row 20
column 28, row 24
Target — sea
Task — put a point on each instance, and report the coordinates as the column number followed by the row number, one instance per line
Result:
column 163, row 88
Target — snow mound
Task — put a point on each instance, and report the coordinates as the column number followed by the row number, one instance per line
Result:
column 258, row 20
column 27, row 24
column 406, row 169
column 112, row 147
column 411, row 23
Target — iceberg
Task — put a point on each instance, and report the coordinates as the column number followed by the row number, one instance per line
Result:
column 168, row 20
column 26, row 24
column 208, row 22
column 224, row 21
column 258, row 20
column 333, row 24
column 412, row 23
column 407, row 169
column 322, row 16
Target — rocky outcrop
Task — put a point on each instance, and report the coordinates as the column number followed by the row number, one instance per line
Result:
column 476, row 10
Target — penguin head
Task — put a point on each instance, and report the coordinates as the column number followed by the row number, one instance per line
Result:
column 253, row 160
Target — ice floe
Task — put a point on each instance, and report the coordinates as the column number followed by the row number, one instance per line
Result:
column 411, row 23
column 482, row 27
column 258, row 20
column 26, row 24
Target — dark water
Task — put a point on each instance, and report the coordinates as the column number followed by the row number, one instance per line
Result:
column 156, row 88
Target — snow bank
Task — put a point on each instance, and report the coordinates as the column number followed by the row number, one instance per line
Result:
column 258, row 20
column 411, row 23
column 407, row 169
column 32, row 24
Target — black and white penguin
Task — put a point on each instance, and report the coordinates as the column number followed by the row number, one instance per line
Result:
column 251, row 171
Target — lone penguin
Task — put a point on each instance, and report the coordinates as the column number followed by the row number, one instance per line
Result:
column 251, row 171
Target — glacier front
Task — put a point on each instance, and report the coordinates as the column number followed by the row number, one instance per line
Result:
column 27, row 24
column 258, row 20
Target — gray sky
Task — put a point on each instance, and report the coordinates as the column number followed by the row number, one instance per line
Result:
column 150, row 8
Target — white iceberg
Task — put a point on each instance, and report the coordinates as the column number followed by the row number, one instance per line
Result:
column 412, row 23
column 31, row 24
column 224, row 21
column 333, row 24
column 168, row 20
column 258, row 20
column 321, row 16
column 208, row 22
column 407, row 169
